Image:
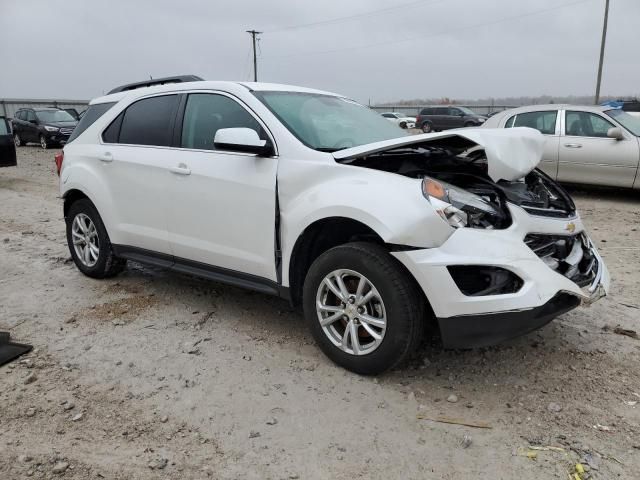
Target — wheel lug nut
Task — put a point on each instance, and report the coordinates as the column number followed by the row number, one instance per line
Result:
column 352, row 300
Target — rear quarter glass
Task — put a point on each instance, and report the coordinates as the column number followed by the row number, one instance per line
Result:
column 93, row 113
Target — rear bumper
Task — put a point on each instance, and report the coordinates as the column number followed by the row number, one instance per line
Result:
column 472, row 331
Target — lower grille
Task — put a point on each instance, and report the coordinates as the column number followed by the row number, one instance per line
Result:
column 570, row 256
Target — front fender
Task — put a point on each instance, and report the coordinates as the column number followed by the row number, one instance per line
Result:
column 391, row 205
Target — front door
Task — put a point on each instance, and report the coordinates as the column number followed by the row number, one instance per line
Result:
column 222, row 204
column 588, row 155
column 7, row 147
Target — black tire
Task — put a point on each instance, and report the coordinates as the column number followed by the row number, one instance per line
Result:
column 427, row 127
column 403, row 125
column 107, row 264
column 44, row 143
column 17, row 140
column 403, row 303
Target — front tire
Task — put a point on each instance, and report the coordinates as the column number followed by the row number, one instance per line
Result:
column 89, row 242
column 363, row 308
column 43, row 142
column 17, row 140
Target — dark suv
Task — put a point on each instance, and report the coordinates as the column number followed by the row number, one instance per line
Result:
column 46, row 126
column 445, row 117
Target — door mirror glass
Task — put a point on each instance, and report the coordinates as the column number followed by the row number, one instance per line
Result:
column 615, row 133
column 241, row 139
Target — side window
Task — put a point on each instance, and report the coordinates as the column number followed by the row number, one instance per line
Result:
column 148, row 121
column 4, row 126
column 30, row 116
column 387, row 115
column 93, row 113
column 585, row 124
column 454, row 112
column 20, row 114
column 206, row 113
column 544, row 122
column 509, row 123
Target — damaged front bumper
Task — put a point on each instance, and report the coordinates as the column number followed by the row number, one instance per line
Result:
column 544, row 290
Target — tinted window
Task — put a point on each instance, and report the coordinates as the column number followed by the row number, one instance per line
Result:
column 30, row 116
column 4, row 127
column 93, row 113
column 544, row 122
column 441, row 111
column 110, row 135
column 20, row 115
column 206, row 113
column 585, row 124
column 388, row 115
column 509, row 123
column 455, row 112
column 51, row 116
column 148, row 121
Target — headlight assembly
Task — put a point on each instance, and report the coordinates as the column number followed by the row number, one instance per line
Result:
column 51, row 129
column 460, row 208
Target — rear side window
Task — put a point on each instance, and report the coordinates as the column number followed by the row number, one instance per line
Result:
column 206, row 113
column 544, row 122
column 93, row 113
column 148, row 122
column 20, row 114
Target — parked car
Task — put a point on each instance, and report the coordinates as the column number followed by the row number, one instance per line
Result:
column 373, row 232
column 399, row 119
column 584, row 144
column 443, row 117
column 46, row 126
column 7, row 148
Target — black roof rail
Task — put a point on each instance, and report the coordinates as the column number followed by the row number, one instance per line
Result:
column 156, row 81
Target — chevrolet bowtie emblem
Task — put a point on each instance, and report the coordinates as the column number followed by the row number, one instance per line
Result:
column 571, row 227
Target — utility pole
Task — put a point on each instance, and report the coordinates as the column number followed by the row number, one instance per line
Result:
column 604, row 39
column 254, row 35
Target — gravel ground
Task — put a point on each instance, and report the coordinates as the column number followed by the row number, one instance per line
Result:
column 160, row 375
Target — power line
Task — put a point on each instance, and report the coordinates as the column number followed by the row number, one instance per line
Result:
column 419, row 37
column 372, row 13
column 604, row 40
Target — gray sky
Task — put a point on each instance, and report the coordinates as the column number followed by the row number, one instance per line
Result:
column 453, row 48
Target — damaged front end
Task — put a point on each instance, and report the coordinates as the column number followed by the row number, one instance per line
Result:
column 460, row 181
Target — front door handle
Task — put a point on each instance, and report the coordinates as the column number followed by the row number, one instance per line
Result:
column 573, row 145
column 181, row 169
column 106, row 157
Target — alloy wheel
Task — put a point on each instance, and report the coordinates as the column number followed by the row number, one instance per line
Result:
column 351, row 312
column 85, row 240
column 16, row 140
column 43, row 142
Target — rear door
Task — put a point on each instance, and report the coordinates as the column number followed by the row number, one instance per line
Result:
column 7, row 147
column 546, row 122
column 134, row 161
column 588, row 155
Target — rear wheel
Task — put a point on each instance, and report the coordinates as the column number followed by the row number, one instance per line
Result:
column 427, row 127
column 17, row 140
column 89, row 242
column 363, row 309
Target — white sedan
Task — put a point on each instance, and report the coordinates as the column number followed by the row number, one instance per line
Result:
column 595, row 145
column 399, row 119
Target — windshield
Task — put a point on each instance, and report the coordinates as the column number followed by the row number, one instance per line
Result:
column 50, row 116
column 629, row 122
column 328, row 123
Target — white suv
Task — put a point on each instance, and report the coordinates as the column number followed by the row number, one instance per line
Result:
column 310, row 196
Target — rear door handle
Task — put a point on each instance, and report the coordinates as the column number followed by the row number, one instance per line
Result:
column 181, row 169
column 106, row 157
column 573, row 145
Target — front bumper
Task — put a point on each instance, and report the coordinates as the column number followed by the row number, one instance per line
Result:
column 544, row 294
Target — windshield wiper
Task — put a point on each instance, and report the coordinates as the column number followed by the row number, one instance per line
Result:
column 328, row 149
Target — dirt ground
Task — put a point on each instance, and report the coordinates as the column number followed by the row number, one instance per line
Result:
column 160, row 375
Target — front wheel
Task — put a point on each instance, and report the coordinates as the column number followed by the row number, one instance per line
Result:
column 363, row 309
column 89, row 242
column 43, row 142
column 17, row 140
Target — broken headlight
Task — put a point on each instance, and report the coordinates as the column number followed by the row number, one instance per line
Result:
column 460, row 208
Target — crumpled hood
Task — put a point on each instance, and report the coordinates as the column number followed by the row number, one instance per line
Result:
column 511, row 153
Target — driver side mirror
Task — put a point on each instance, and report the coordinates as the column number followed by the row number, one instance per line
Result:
column 35, row 122
column 242, row 140
column 616, row 133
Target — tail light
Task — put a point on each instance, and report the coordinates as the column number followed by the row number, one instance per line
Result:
column 59, row 158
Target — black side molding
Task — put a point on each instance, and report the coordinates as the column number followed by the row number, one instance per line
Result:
column 202, row 270
column 156, row 81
